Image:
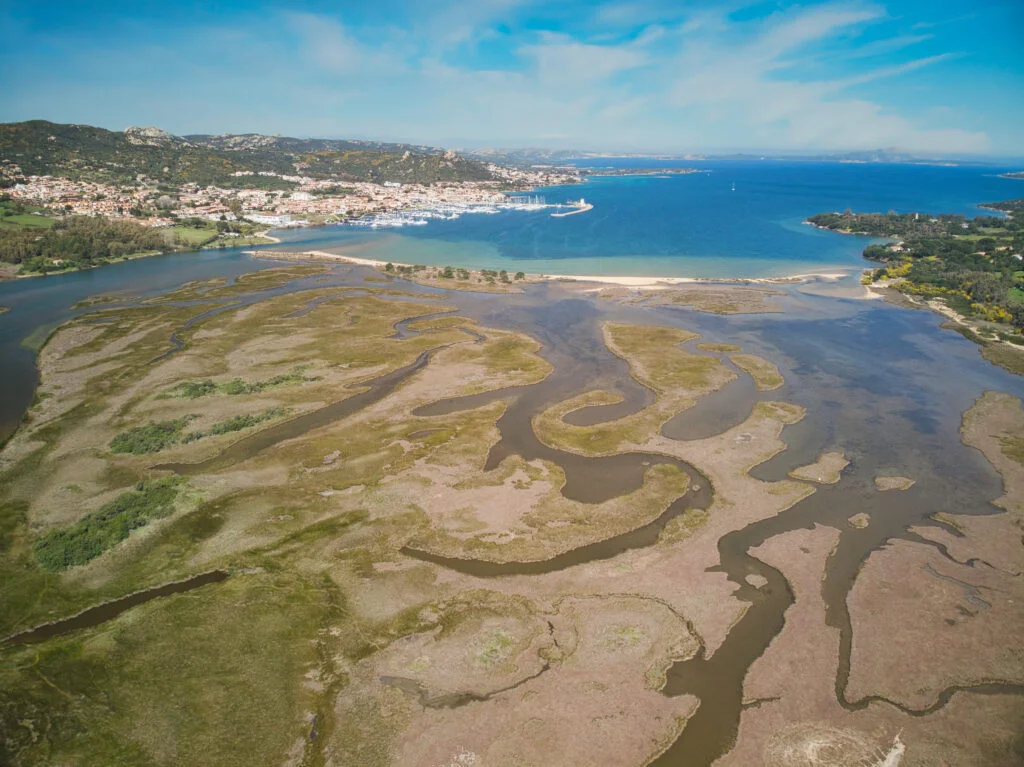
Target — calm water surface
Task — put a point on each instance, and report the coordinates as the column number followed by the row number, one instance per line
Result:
column 692, row 225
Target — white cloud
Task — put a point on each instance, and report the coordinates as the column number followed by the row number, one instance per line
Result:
column 729, row 83
column 751, row 89
column 632, row 76
column 332, row 46
column 560, row 58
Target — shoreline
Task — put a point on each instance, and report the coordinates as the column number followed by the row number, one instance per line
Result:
column 18, row 275
column 632, row 281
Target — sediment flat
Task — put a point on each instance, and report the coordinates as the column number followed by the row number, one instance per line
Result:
column 493, row 552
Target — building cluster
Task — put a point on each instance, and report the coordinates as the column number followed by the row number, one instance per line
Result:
column 80, row 197
column 313, row 199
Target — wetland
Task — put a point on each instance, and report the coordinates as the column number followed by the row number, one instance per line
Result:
column 566, row 525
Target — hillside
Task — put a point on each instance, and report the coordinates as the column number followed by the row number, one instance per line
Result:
column 84, row 152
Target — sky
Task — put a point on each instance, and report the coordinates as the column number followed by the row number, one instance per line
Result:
column 930, row 77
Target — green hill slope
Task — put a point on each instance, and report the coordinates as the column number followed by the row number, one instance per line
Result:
column 39, row 147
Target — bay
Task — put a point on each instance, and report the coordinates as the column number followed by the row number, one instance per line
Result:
column 693, row 225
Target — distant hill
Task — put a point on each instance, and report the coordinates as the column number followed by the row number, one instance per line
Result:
column 39, row 147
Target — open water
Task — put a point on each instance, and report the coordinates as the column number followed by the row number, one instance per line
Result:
column 691, row 225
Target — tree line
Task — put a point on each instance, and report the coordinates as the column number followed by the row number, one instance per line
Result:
column 974, row 264
column 81, row 241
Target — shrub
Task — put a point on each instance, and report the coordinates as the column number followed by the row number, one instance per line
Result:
column 151, row 438
column 194, row 389
column 239, row 422
column 107, row 526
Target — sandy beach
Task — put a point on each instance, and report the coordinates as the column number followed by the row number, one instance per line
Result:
column 630, row 281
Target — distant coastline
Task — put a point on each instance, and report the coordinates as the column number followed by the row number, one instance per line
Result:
column 596, row 172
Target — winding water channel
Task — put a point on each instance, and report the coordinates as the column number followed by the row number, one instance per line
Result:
column 897, row 415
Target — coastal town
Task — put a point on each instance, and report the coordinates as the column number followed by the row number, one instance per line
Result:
column 311, row 201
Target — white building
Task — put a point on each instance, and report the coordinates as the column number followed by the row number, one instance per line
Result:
column 272, row 219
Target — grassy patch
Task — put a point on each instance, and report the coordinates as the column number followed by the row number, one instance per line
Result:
column 718, row 347
column 26, row 221
column 766, row 376
column 1013, row 448
column 239, row 242
column 237, row 423
column 107, row 526
column 516, row 354
column 191, row 236
column 151, row 438
column 237, row 386
column 214, row 677
column 679, row 377
column 684, row 526
column 1005, row 357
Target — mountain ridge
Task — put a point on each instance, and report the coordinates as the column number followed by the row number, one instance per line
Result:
column 40, row 147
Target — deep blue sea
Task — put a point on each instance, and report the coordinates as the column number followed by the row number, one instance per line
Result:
column 683, row 225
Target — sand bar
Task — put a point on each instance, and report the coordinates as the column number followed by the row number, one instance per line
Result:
column 607, row 279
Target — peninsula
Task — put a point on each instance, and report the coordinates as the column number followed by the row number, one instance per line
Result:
column 970, row 269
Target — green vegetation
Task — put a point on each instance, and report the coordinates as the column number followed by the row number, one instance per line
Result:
column 974, row 265
column 107, row 526
column 83, row 152
column 41, row 244
column 1013, row 448
column 765, row 374
column 678, row 377
column 1007, row 206
column 194, row 235
column 193, row 389
column 239, row 422
column 15, row 215
column 79, row 242
column 236, row 386
column 151, row 438
column 113, row 702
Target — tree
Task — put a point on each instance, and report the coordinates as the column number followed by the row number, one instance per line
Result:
column 389, row 267
column 448, row 273
column 520, row 276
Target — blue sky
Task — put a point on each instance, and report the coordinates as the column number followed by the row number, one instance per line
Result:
column 927, row 76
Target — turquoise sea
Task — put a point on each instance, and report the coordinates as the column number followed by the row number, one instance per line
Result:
column 691, row 225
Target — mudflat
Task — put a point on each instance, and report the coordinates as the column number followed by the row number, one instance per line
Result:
column 453, row 530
